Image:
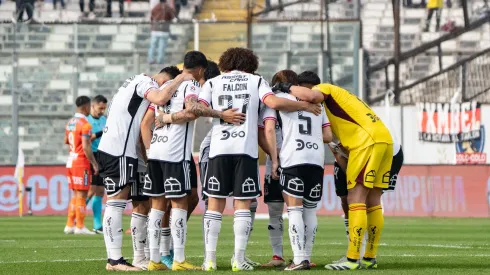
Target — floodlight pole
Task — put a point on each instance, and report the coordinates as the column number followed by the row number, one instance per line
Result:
column 15, row 97
column 396, row 18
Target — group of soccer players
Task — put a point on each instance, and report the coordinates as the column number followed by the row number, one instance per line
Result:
column 145, row 156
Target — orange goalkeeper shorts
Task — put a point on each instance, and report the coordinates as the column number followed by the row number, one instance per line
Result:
column 79, row 178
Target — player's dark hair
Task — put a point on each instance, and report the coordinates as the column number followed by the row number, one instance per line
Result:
column 195, row 59
column 172, row 71
column 308, row 77
column 99, row 99
column 285, row 76
column 82, row 100
column 239, row 59
column 211, row 71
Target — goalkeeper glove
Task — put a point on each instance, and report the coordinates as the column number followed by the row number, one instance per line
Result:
column 283, row 87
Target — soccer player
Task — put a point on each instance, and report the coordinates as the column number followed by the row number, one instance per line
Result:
column 370, row 147
column 169, row 162
column 310, row 79
column 139, row 217
column 96, row 192
column 302, row 162
column 233, row 167
column 212, row 71
column 117, row 153
column 78, row 133
column 147, row 126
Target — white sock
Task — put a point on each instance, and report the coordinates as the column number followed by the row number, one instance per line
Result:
column 275, row 227
column 165, row 242
column 138, row 235
column 154, row 233
column 241, row 226
column 297, row 232
column 113, row 232
column 212, row 227
column 147, row 243
column 178, row 229
column 311, row 224
column 364, row 242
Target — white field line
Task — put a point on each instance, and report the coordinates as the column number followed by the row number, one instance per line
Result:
column 227, row 256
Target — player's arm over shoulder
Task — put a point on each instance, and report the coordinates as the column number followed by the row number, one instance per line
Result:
column 325, row 89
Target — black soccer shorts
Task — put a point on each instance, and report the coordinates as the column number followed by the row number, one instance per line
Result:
column 236, row 176
column 136, row 192
column 117, row 172
column 172, row 180
column 305, row 182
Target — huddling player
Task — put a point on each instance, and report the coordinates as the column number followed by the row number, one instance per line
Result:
column 302, row 162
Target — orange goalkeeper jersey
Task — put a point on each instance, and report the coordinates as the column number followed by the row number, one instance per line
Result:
column 352, row 121
column 77, row 128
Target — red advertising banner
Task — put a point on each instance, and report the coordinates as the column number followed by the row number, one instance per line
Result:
column 434, row 191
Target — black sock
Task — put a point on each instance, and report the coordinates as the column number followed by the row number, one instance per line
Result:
column 367, row 259
column 352, row 260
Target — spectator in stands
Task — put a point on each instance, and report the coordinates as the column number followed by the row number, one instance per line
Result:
column 109, row 8
column 63, row 6
column 433, row 6
column 27, row 5
column 268, row 5
column 160, row 31
column 91, row 7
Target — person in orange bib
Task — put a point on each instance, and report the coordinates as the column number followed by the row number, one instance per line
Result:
column 78, row 132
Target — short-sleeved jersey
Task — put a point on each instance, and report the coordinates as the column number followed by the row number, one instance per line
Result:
column 235, row 90
column 173, row 142
column 98, row 125
column 266, row 114
column 353, row 122
column 126, row 111
column 302, row 134
column 77, row 128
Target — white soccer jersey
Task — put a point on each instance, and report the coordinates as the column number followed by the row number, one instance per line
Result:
column 235, row 90
column 302, row 136
column 126, row 110
column 262, row 119
column 173, row 142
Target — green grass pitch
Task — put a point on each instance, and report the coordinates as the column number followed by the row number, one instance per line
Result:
column 37, row 245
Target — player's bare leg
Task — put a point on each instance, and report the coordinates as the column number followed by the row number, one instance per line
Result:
column 296, row 233
column 139, row 229
column 113, row 232
column 80, row 209
column 192, row 202
column 178, row 229
column 212, row 228
column 158, row 207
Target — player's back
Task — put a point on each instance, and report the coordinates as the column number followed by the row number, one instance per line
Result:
column 235, row 90
column 353, row 121
column 172, row 142
column 76, row 128
column 302, row 137
column 125, row 113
